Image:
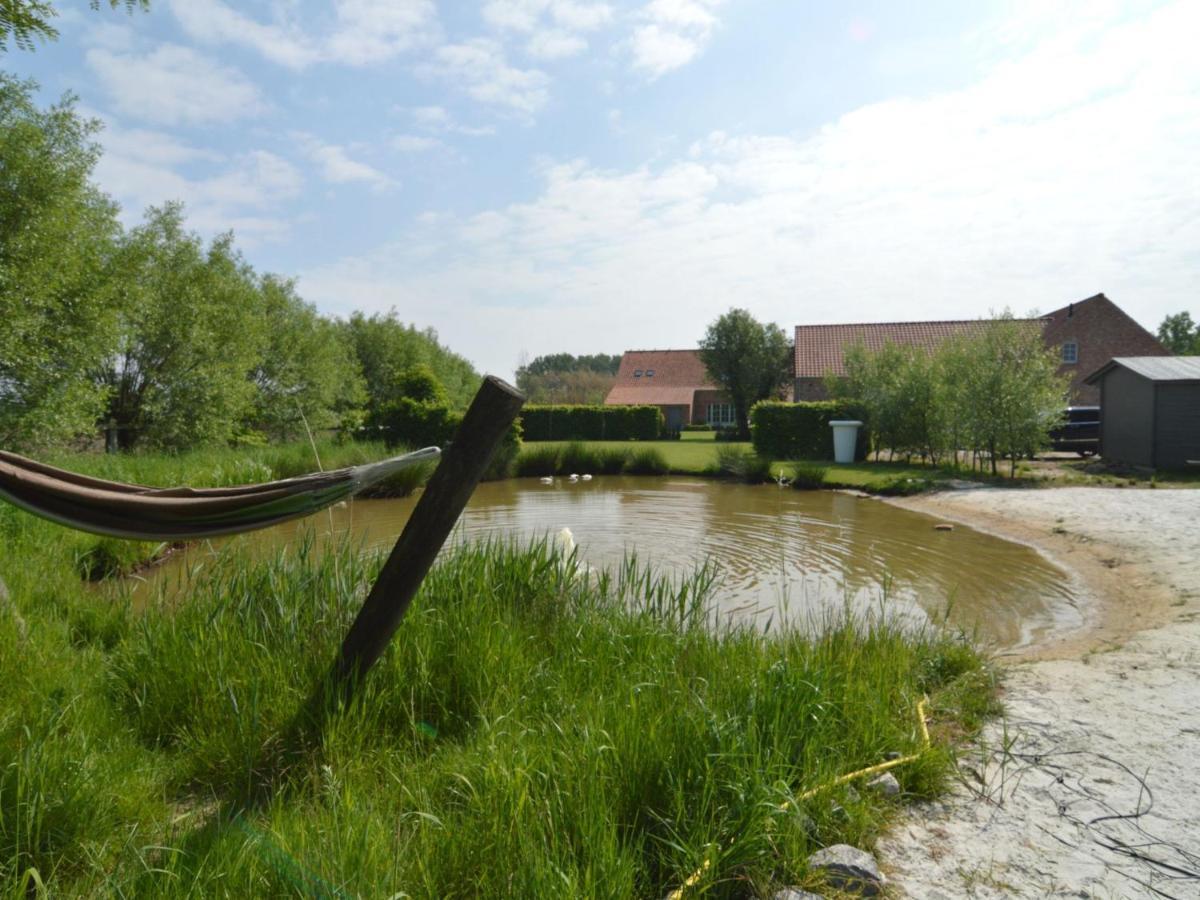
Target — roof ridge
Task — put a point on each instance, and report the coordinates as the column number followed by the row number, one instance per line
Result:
column 921, row 322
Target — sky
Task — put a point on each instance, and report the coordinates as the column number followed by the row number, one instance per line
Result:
column 542, row 176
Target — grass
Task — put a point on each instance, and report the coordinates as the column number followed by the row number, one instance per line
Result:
column 683, row 457
column 534, row 730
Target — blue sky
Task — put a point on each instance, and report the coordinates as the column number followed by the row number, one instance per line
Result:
column 535, row 176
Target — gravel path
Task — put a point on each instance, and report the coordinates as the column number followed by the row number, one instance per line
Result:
column 1090, row 786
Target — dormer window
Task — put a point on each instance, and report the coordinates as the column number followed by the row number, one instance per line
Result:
column 1070, row 352
column 649, row 373
column 637, row 373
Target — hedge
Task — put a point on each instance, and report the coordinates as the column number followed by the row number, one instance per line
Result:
column 591, row 423
column 801, row 430
column 409, row 423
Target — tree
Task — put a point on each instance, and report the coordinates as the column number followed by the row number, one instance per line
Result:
column 306, row 373
column 1180, row 335
column 385, row 347
column 750, row 361
column 191, row 335
column 26, row 20
column 563, row 378
column 58, row 235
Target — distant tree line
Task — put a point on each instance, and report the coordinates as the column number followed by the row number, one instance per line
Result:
column 560, row 378
column 153, row 333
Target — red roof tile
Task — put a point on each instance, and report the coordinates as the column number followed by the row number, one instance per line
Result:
column 820, row 349
column 659, row 377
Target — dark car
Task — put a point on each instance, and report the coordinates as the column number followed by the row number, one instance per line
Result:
column 1079, row 431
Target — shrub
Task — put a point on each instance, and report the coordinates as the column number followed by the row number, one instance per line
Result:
column 647, row 461
column 697, row 428
column 418, row 424
column 577, row 457
column 611, row 461
column 736, row 462
column 591, row 423
column 801, row 430
column 539, row 461
column 808, row 476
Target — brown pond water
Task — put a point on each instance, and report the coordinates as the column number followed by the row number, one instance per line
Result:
column 781, row 554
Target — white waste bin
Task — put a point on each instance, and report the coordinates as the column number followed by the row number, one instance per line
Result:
column 845, row 437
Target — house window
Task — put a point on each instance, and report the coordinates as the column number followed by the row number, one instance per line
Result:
column 720, row 414
column 1070, row 352
column 637, row 374
column 649, row 373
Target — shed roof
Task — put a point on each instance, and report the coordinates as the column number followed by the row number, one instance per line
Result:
column 821, row 349
column 1155, row 368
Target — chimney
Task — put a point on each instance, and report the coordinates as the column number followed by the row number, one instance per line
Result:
column 1070, row 310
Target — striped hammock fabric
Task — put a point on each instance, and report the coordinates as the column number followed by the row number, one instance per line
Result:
column 168, row 514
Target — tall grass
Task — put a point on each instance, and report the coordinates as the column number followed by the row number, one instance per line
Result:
column 742, row 465
column 536, row 729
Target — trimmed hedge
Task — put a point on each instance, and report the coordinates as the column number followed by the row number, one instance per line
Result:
column 591, row 423
column 801, row 430
column 408, row 423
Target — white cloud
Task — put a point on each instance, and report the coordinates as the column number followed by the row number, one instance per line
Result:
column 479, row 68
column 1065, row 172
column 415, row 143
column 337, row 167
column 555, row 28
column 141, row 168
column 361, row 32
column 672, row 34
column 174, row 85
column 438, row 119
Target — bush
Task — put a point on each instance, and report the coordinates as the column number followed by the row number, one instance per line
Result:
column 801, row 430
column 697, row 428
column 648, row 461
column 808, row 477
column 416, row 423
column 611, row 461
column 579, row 458
column 591, row 423
column 736, row 462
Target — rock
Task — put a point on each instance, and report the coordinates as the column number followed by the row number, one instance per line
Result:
column 793, row 893
column 848, row 869
column 885, row 784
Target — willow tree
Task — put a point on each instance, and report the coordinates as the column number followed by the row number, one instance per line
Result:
column 751, row 361
column 58, row 234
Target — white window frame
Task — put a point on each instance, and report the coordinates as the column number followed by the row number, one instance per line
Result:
column 1070, row 353
column 721, row 414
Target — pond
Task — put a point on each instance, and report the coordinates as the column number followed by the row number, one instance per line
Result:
column 781, row 554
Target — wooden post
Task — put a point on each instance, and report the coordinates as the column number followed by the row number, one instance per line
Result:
column 441, row 503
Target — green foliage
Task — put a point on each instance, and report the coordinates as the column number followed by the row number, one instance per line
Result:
column 741, row 464
column 386, row 348
column 994, row 393
column 1180, row 335
column 57, row 240
column 192, row 330
column 24, row 20
column 806, row 476
column 412, row 423
column 801, row 430
column 591, row 423
column 690, row 427
column 565, row 379
column 647, row 461
column 749, row 360
column 306, row 372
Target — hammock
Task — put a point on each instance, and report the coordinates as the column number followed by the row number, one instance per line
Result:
column 168, row 514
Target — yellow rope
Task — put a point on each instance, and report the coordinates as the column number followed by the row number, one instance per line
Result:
column 693, row 879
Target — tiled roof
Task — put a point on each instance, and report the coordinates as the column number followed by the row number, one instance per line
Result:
column 820, row 349
column 660, row 377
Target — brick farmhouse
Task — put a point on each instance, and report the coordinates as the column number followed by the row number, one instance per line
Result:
column 1086, row 334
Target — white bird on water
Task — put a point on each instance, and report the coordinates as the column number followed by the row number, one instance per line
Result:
column 565, row 541
column 546, row 480
column 585, row 477
column 574, row 478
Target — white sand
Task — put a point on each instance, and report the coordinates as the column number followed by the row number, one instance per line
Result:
column 1102, row 725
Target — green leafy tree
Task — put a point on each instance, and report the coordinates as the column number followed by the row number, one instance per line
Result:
column 749, row 360
column 306, row 373
column 57, row 239
column 191, row 335
column 386, row 347
column 1180, row 335
column 25, row 21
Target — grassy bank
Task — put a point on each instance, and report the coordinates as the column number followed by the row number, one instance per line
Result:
column 533, row 731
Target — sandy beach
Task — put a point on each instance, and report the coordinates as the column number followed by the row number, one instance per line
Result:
column 1090, row 784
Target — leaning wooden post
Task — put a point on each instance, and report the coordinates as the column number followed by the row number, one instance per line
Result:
column 488, row 419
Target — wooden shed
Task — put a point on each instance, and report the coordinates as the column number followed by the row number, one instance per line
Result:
column 1150, row 410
